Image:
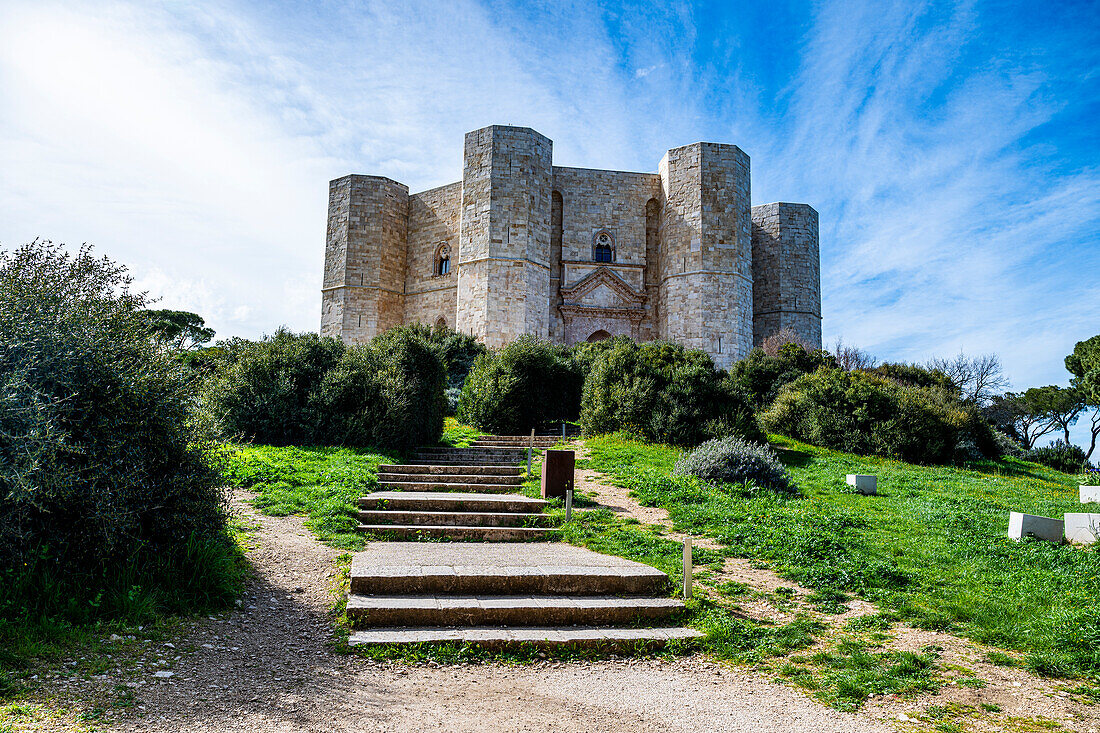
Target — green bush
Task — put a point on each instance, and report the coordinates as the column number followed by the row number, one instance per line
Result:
column 524, row 385
column 865, row 413
column 664, row 393
column 731, row 460
column 303, row 389
column 914, row 375
column 110, row 490
column 761, row 376
column 459, row 350
column 1059, row 455
column 267, row 390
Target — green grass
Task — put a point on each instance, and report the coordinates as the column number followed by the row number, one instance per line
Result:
column 320, row 484
column 457, row 435
column 931, row 548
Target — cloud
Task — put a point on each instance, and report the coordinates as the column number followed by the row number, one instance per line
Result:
column 943, row 145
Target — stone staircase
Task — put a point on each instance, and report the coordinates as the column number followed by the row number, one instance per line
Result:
column 499, row 595
column 496, row 595
column 457, row 494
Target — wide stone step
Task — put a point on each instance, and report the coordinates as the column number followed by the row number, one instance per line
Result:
column 434, row 486
column 514, row 444
column 375, row 611
column 452, row 478
column 426, row 519
column 497, row 638
column 442, row 501
column 482, row 534
column 537, row 568
column 448, row 469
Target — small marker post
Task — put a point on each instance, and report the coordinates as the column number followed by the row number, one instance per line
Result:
column 530, row 449
column 687, row 568
column 563, row 431
column 569, row 502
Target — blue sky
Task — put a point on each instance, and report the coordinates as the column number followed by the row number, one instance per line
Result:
column 951, row 149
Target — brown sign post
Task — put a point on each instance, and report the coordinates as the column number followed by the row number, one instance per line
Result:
column 557, row 473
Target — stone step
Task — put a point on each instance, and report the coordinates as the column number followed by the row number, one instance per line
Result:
column 471, row 457
column 447, row 532
column 521, row 443
column 434, row 486
column 451, row 519
column 442, row 501
column 448, row 469
column 449, row 478
column 375, row 611
column 437, row 462
column 587, row 637
column 536, row 568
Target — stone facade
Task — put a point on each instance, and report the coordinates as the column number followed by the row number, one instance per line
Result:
column 520, row 246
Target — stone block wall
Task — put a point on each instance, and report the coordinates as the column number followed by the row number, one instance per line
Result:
column 786, row 272
column 504, row 241
column 363, row 290
column 434, row 221
column 595, row 201
column 706, row 250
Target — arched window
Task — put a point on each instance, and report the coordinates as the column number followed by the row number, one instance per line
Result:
column 443, row 260
column 598, row 336
column 603, row 247
column 441, row 322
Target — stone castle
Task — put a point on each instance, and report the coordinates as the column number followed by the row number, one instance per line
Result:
column 522, row 246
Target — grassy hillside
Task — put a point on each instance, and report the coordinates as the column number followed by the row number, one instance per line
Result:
column 931, row 548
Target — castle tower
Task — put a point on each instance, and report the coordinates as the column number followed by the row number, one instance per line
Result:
column 786, row 272
column 504, row 241
column 362, row 294
column 706, row 250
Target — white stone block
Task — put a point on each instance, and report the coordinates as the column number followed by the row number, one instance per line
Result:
column 1090, row 494
column 1082, row 527
column 864, row 484
column 1030, row 525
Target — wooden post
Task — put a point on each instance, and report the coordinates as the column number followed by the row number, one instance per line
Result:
column 530, row 449
column 687, row 568
column 569, row 503
column 563, row 431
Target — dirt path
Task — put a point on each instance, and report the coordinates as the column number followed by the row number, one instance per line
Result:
column 269, row 667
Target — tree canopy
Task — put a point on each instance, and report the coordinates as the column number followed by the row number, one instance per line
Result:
column 179, row 329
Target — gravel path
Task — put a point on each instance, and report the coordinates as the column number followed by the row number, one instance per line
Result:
column 269, row 667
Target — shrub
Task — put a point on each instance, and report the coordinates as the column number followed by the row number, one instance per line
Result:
column 1005, row 445
column 267, row 389
column 1059, row 455
column 731, row 460
column 523, row 385
column 459, row 350
column 302, row 389
column 761, row 376
column 663, row 392
column 1089, row 477
column 915, row 375
column 110, row 493
column 860, row 412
